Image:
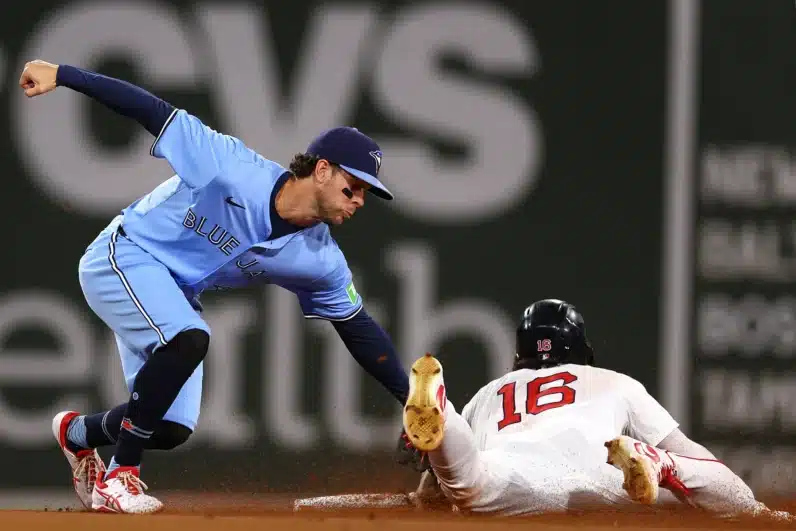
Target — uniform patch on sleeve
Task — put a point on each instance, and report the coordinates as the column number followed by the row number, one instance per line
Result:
column 352, row 292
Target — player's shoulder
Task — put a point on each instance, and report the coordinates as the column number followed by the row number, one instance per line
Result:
column 228, row 146
column 253, row 167
column 609, row 375
column 254, row 176
column 620, row 383
column 602, row 371
column 265, row 170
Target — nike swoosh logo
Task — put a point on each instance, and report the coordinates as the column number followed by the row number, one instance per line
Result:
column 232, row 202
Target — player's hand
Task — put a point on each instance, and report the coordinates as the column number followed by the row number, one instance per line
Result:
column 38, row 77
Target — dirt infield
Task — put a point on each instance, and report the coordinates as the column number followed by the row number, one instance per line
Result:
column 203, row 513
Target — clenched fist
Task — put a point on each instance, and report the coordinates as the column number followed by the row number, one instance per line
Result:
column 38, row 77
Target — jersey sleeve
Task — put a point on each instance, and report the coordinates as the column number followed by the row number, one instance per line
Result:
column 333, row 298
column 196, row 153
column 648, row 420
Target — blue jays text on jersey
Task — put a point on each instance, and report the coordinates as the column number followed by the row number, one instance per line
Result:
column 211, row 224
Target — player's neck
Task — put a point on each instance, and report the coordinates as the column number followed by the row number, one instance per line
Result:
column 295, row 202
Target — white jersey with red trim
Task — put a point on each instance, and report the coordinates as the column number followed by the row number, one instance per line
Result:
column 572, row 403
column 533, row 441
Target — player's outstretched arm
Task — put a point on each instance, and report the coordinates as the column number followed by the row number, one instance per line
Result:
column 40, row 77
column 372, row 348
column 332, row 296
column 196, row 152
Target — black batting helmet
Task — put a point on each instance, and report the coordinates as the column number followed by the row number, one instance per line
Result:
column 551, row 332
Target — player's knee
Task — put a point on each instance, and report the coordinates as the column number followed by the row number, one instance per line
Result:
column 169, row 435
column 192, row 343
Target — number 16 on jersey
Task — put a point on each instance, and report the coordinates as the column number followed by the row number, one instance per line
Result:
column 512, row 413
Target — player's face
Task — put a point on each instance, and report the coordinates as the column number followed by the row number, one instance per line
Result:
column 335, row 205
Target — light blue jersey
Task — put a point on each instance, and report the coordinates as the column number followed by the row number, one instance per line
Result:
column 206, row 228
column 214, row 226
column 210, row 224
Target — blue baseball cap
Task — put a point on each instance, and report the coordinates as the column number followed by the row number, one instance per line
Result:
column 355, row 152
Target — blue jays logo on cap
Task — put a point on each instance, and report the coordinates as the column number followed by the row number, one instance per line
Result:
column 377, row 155
column 355, row 152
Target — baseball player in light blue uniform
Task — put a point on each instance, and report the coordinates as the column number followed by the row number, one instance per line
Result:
column 229, row 217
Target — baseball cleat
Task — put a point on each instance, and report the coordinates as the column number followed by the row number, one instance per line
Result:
column 85, row 464
column 645, row 469
column 424, row 412
column 123, row 492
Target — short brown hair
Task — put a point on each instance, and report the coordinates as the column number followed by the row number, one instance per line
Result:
column 303, row 164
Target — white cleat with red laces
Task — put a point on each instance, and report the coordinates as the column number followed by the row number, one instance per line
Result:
column 645, row 469
column 86, row 464
column 424, row 412
column 123, row 492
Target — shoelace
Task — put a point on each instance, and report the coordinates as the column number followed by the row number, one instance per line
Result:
column 87, row 465
column 667, row 478
column 132, row 483
column 666, row 472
